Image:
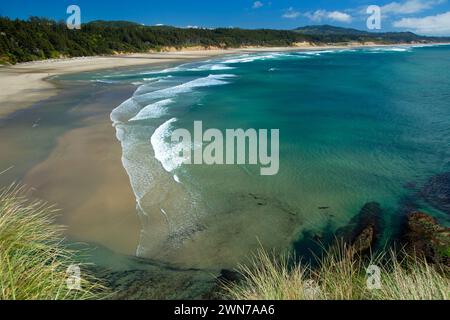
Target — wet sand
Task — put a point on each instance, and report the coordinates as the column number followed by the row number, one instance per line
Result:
column 84, row 177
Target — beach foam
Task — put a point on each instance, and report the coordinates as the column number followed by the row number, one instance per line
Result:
column 389, row 49
column 245, row 58
column 166, row 152
column 123, row 111
column 144, row 104
column 211, row 80
column 152, row 111
column 191, row 67
column 211, row 67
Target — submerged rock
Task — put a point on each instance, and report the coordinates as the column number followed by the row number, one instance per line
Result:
column 364, row 230
column 131, row 278
column 230, row 276
column 425, row 237
column 437, row 192
column 156, row 283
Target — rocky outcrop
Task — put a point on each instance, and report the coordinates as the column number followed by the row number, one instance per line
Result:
column 364, row 230
column 436, row 192
column 426, row 238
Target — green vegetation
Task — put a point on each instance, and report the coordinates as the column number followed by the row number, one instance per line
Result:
column 326, row 33
column 39, row 38
column 33, row 260
column 340, row 275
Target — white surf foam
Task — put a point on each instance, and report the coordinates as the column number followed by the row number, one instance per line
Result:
column 211, row 67
column 191, row 68
column 167, row 70
column 254, row 57
column 150, row 86
column 211, row 80
column 123, row 111
column 130, row 108
column 167, row 153
column 390, row 49
column 153, row 111
column 318, row 52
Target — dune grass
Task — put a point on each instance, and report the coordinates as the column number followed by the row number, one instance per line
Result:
column 339, row 275
column 33, row 259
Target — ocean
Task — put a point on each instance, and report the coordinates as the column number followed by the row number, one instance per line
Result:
column 355, row 126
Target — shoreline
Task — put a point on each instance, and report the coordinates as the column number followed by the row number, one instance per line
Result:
column 31, row 82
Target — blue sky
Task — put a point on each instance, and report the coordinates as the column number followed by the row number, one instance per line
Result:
column 421, row 16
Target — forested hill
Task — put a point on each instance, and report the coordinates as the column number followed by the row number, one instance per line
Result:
column 38, row 38
column 327, row 33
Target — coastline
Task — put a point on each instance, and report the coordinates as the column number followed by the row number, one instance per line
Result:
column 30, row 82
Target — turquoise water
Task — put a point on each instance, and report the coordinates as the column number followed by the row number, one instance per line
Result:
column 356, row 125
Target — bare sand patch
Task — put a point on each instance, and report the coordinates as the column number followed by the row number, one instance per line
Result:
column 84, row 177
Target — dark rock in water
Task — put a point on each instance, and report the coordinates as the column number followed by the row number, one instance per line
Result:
column 365, row 240
column 230, row 276
column 155, row 283
column 311, row 243
column 437, row 192
column 426, row 238
column 364, row 229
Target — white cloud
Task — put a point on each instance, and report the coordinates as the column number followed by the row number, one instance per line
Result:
column 320, row 15
column 339, row 16
column 257, row 4
column 290, row 13
column 438, row 25
column 409, row 6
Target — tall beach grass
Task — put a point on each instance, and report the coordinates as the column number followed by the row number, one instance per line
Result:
column 340, row 275
column 33, row 259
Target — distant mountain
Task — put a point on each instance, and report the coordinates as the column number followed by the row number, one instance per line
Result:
column 329, row 30
column 329, row 33
column 112, row 24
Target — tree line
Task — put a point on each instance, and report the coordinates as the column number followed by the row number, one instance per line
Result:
column 41, row 38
